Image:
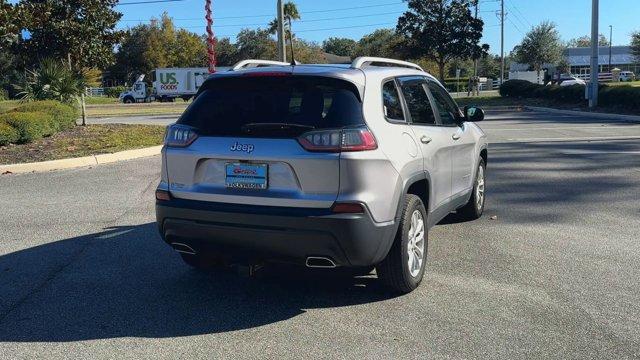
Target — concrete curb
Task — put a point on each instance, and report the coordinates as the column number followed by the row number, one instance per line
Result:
column 628, row 118
column 80, row 162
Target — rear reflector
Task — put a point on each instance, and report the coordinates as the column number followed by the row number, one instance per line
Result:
column 347, row 208
column 163, row 195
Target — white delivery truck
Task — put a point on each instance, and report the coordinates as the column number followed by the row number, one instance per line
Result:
column 168, row 84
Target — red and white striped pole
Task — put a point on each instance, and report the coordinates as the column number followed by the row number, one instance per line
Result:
column 211, row 40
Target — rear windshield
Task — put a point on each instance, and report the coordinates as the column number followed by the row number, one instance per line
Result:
column 267, row 106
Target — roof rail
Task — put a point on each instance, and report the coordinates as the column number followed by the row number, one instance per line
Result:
column 363, row 61
column 256, row 63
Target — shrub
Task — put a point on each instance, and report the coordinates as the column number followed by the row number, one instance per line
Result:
column 29, row 125
column 114, row 92
column 518, row 88
column 627, row 97
column 621, row 97
column 63, row 116
column 4, row 94
column 8, row 134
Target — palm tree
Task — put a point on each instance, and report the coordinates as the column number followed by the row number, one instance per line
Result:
column 290, row 12
column 52, row 81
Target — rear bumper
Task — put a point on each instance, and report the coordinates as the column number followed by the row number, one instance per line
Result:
column 274, row 233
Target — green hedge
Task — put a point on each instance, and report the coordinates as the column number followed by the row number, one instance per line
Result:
column 622, row 97
column 8, row 134
column 627, row 97
column 115, row 91
column 30, row 126
column 63, row 116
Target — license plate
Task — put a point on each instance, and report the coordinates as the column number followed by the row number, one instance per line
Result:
column 246, row 176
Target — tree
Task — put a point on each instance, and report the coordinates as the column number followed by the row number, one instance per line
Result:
column 585, row 41
column 340, row 46
column 12, row 19
column 256, row 44
column 382, row 43
column 635, row 46
column 83, row 31
column 489, row 66
column 563, row 66
column 154, row 45
column 290, row 11
column 52, row 80
column 441, row 30
column 226, row 52
column 541, row 45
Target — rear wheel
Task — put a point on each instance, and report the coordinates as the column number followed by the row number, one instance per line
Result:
column 129, row 100
column 475, row 207
column 403, row 268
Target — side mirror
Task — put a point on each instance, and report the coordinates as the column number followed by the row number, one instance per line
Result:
column 473, row 114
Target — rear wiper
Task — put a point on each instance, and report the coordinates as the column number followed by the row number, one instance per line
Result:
column 277, row 127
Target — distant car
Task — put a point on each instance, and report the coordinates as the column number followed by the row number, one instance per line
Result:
column 627, row 76
column 571, row 80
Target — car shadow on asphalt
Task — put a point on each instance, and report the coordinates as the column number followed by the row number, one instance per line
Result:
column 125, row 282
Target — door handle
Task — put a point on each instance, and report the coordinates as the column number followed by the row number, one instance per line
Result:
column 425, row 139
column 455, row 137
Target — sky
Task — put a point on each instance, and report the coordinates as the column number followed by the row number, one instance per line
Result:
column 322, row 19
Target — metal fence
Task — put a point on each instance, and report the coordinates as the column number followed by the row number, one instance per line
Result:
column 94, row 91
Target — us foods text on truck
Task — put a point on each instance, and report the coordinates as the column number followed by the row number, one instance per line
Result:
column 168, row 84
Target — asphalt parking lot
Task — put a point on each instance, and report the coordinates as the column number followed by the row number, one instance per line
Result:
column 83, row 272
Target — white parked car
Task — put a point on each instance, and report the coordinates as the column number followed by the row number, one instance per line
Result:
column 322, row 166
column 571, row 80
column 627, row 76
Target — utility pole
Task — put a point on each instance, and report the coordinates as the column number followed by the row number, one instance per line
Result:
column 610, row 44
column 211, row 40
column 593, row 85
column 475, row 61
column 282, row 47
column 501, row 42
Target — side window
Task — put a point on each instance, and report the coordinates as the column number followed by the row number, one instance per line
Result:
column 418, row 102
column 447, row 109
column 391, row 101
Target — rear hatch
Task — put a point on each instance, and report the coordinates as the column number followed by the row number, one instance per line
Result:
column 250, row 133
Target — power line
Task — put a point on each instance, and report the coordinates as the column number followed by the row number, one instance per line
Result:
column 352, row 8
column 147, row 2
column 521, row 14
column 297, row 21
column 272, row 15
column 346, row 27
column 517, row 17
column 514, row 25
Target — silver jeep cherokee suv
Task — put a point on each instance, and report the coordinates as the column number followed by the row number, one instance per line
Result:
column 320, row 165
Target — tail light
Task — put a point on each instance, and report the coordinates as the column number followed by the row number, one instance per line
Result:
column 337, row 140
column 180, row 136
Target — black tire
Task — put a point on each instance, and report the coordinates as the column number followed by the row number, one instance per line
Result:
column 394, row 271
column 128, row 100
column 473, row 209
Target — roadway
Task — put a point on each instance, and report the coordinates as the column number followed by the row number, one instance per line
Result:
column 550, row 271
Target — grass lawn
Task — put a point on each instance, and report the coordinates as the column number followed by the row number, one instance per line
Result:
column 84, row 141
column 93, row 100
column 626, row 83
column 119, row 109
column 6, row 105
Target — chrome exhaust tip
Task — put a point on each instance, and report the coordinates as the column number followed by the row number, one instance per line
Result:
column 318, row 262
column 183, row 248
